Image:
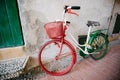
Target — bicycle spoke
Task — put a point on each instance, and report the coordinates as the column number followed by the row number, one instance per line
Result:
column 64, row 55
column 99, row 45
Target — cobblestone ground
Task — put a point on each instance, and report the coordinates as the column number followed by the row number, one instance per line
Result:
column 33, row 74
column 12, row 68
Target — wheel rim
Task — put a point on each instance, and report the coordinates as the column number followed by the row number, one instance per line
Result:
column 100, row 47
column 48, row 60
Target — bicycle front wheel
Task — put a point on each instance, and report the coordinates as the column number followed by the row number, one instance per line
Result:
column 64, row 62
column 100, row 46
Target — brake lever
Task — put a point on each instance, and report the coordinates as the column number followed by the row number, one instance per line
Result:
column 69, row 11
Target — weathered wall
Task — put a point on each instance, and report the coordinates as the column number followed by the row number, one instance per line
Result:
column 117, row 6
column 35, row 13
column 116, row 10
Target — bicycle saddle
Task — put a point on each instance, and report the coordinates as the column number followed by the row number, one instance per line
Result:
column 93, row 23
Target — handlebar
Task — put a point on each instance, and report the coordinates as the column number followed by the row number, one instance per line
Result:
column 75, row 7
column 72, row 7
column 68, row 9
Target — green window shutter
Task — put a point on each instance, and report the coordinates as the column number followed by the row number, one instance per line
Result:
column 10, row 28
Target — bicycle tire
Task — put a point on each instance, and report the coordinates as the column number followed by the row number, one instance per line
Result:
column 64, row 64
column 99, row 44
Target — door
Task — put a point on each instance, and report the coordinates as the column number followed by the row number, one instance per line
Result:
column 117, row 25
column 10, row 28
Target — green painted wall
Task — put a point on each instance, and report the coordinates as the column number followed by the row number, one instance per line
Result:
column 10, row 28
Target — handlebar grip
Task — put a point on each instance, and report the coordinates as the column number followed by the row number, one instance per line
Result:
column 68, row 22
column 75, row 7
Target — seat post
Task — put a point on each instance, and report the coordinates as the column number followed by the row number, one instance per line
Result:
column 88, row 36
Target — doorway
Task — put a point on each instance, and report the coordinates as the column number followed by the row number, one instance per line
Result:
column 10, row 27
column 117, row 25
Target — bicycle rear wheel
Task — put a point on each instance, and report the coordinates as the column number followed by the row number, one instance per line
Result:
column 48, row 61
column 100, row 46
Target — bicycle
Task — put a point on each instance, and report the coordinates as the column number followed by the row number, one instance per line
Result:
column 57, row 56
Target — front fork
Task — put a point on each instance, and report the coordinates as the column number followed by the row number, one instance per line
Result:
column 60, row 46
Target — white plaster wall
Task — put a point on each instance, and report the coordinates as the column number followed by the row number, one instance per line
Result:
column 35, row 13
